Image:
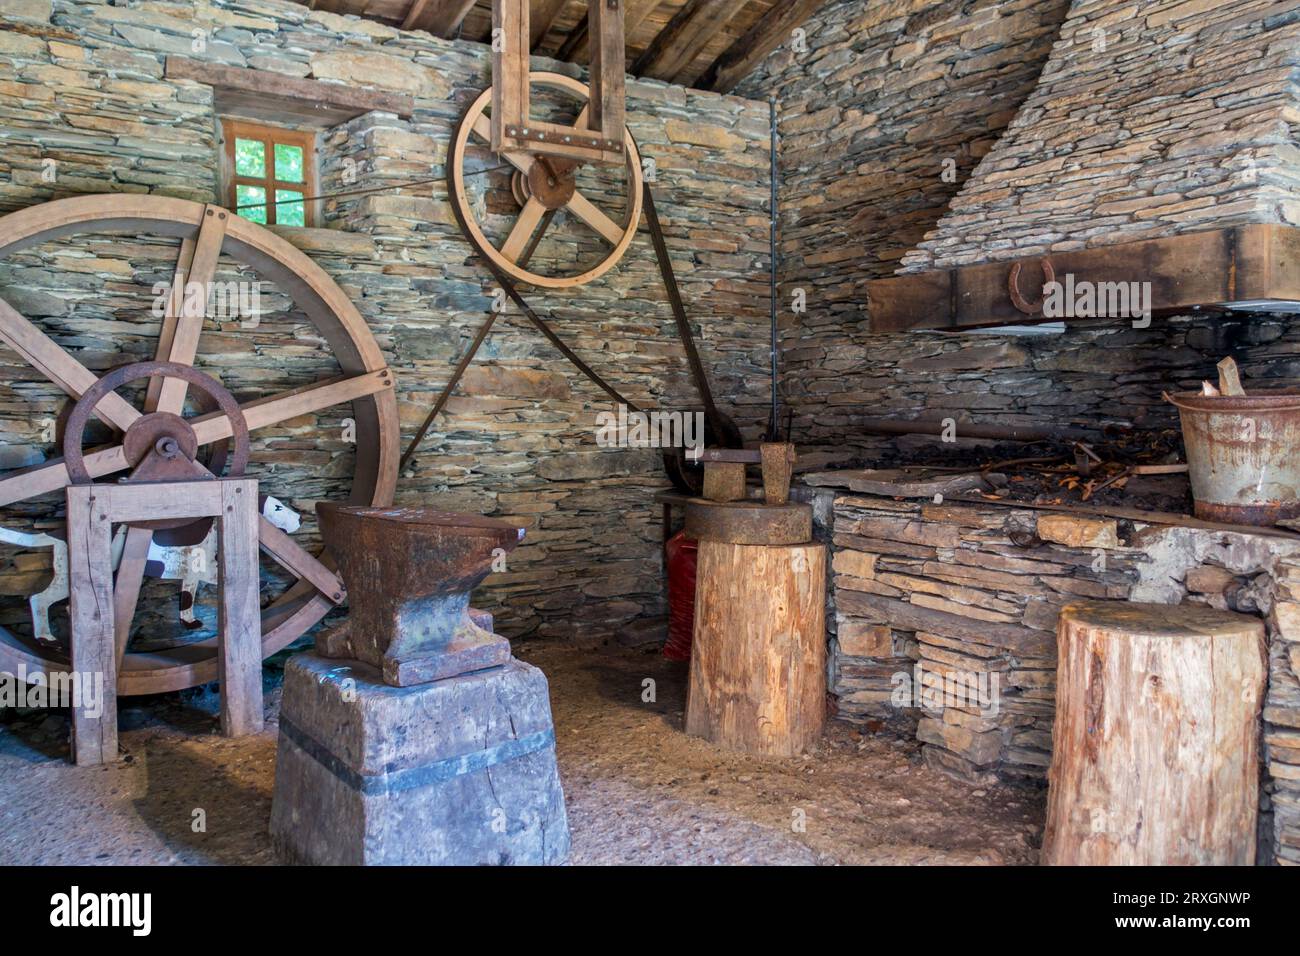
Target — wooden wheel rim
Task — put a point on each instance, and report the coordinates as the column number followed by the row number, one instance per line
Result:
column 328, row 310
column 458, row 195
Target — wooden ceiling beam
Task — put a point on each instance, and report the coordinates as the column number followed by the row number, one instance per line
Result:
column 744, row 56
column 575, row 44
column 439, row 17
column 687, row 33
column 543, row 16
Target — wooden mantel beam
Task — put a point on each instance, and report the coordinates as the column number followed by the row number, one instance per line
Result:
column 439, row 17
column 687, row 33
column 1258, row 263
column 742, row 57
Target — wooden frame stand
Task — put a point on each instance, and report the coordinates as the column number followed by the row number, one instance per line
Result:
column 97, row 646
column 512, row 128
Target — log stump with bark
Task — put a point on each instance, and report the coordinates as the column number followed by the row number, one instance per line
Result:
column 1155, row 748
column 758, row 660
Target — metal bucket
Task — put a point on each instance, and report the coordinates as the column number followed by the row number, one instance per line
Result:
column 1242, row 455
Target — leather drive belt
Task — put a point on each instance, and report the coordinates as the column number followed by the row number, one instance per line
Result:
column 674, row 299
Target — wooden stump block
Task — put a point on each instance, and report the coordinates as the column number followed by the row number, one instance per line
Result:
column 758, row 661
column 1155, row 755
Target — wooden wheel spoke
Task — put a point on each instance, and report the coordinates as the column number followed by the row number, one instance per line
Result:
column 167, row 333
column 482, row 128
column 295, row 559
column 191, row 311
column 524, row 228
column 273, row 409
column 586, row 210
column 42, row 479
column 126, row 589
column 42, row 353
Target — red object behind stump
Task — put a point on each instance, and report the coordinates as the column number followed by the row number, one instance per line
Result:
column 681, row 553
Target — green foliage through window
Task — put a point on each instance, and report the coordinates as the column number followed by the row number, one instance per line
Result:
column 246, row 196
column 287, row 211
column 288, row 163
column 250, row 158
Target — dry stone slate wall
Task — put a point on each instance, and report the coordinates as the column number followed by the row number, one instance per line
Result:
column 885, row 93
column 82, row 85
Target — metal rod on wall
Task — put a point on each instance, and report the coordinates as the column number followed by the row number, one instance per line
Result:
column 773, row 422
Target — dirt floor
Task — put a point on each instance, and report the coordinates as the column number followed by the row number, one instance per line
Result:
column 638, row 790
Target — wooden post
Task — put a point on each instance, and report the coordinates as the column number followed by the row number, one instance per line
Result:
column 1156, row 743
column 92, row 509
column 724, row 481
column 758, row 661
column 239, row 658
column 90, row 591
column 778, row 464
column 608, row 50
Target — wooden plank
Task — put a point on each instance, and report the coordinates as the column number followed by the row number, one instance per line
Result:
column 510, row 69
column 42, row 353
column 189, row 325
column 440, row 17
column 687, row 33
column 90, row 585
column 575, row 44
column 543, row 18
column 287, row 96
column 608, row 59
column 1205, row 268
column 239, row 655
column 744, row 56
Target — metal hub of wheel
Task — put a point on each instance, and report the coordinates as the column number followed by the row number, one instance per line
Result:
column 156, row 442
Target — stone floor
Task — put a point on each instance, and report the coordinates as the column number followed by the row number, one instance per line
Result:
column 638, row 790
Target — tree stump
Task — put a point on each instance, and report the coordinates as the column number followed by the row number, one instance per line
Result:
column 1155, row 757
column 758, row 659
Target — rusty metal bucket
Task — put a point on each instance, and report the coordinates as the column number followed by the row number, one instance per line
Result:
column 1242, row 455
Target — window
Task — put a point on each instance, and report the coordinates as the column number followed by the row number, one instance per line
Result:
column 270, row 173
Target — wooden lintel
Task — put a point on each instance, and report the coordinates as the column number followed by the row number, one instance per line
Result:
column 273, row 97
column 1197, row 269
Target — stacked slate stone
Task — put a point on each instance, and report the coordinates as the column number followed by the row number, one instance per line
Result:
column 82, row 85
column 973, row 592
column 1282, row 713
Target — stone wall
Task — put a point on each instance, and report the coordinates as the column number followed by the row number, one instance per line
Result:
column 886, row 94
column 81, row 84
column 969, row 595
column 1149, row 120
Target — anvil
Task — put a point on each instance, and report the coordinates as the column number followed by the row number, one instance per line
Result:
column 409, row 573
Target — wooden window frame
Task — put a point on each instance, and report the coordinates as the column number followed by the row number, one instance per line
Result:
column 268, row 134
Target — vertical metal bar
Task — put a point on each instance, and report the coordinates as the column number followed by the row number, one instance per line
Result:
column 773, row 422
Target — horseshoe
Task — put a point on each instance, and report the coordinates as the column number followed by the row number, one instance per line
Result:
column 1013, row 286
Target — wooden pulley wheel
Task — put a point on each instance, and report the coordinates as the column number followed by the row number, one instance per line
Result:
column 151, row 428
column 543, row 186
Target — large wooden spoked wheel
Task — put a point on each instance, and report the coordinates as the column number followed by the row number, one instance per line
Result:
column 543, row 185
column 206, row 232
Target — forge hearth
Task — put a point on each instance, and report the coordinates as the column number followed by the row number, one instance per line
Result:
column 964, row 594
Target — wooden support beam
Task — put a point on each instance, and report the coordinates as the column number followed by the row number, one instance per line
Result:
column 608, row 59
column 575, row 44
column 439, row 17
column 743, row 57
column 687, row 33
